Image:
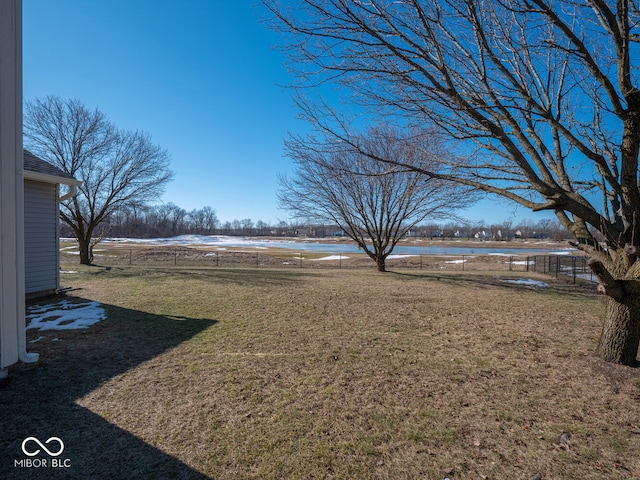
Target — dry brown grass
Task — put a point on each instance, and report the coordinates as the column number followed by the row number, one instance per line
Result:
column 118, row 254
column 295, row 374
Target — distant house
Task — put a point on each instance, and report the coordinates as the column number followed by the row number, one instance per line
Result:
column 41, row 224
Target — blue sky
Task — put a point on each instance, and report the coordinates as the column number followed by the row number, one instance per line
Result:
column 202, row 77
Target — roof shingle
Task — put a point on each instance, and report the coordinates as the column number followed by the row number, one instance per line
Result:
column 37, row 165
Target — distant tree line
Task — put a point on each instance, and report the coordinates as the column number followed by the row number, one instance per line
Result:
column 164, row 220
column 169, row 220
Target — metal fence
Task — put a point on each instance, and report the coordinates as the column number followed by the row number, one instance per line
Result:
column 570, row 267
column 198, row 257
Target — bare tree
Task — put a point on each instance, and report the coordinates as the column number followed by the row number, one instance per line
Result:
column 262, row 228
column 117, row 168
column 547, row 91
column 246, row 224
column 211, row 221
column 170, row 219
column 202, row 221
column 375, row 206
column 195, row 220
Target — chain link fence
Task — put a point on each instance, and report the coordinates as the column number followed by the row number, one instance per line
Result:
column 200, row 257
column 569, row 267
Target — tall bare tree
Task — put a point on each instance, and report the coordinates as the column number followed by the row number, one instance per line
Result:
column 117, row 168
column 375, row 205
column 548, row 91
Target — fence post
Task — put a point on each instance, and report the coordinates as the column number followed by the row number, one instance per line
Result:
column 175, row 257
column 510, row 262
column 574, row 269
column 257, row 259
column 463, row 263
column 420, row 261
column 557, row 266
column 340, row 261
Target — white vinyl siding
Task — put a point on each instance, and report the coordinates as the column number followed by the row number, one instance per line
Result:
column 41, row 238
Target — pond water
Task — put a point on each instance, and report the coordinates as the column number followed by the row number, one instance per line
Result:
column 414, row 250
column 219, row 242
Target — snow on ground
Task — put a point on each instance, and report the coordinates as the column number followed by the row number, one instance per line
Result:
column 457, row 261
column 202, row 240
column 333, row 257
column 327, row 245
column 64, row 315
column 527, row 282
column 393, row 256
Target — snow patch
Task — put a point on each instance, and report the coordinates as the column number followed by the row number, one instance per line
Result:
column 65, row 315
column 527, row 282
column 333, row 257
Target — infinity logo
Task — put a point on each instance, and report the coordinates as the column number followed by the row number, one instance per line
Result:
column 34, row 439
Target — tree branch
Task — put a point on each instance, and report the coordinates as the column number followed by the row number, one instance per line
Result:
column 608, row 285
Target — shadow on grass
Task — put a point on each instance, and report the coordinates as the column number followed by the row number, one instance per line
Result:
column 40, row 400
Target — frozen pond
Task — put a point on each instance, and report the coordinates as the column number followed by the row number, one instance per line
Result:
column 225, row 242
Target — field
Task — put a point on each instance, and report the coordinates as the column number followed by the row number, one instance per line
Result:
column 478, row 256
column 280, row 373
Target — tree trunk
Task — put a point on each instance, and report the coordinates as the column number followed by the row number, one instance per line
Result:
column 381, row 264
column 85, row 255
column 620, row 336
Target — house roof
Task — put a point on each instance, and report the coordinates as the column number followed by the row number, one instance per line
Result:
column 37, row 169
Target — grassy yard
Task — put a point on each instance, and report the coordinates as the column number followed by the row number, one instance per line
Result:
column 347, row 374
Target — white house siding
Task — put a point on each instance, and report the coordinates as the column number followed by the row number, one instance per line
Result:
column 12, row 312
column 41, row 238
